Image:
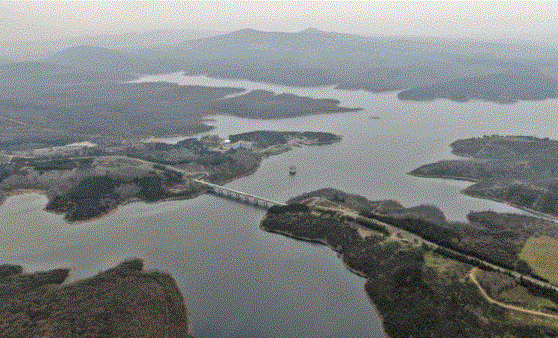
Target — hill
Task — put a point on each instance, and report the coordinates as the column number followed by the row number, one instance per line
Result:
column 121, row 302
column 421, row 68
column 109, row 61
column 425, row 68
column 421, row 289
column 507, row 87
column 21, row 51
column 519, row 170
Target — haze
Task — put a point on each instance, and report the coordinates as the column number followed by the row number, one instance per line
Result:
column 30, row 21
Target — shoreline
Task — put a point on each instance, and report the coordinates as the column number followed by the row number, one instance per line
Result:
column 551, row 217
column 320, row 242
column 125, row 202
column 454, row 178
column 366, row 258
column 341, row 258
column 264, row 154
column 532, row 211
column 17, row 192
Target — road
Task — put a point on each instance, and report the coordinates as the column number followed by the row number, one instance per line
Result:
column 393, row 229
column 473, row 277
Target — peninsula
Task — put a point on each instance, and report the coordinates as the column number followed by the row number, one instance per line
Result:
column 519, row 170
column 113, row 112
column 86, row 180
column 124, row 301
column 423, row 272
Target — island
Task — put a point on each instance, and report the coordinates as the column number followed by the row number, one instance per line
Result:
column 519, row 170
column 85, row 180
column 124, row 301
column 429, row 277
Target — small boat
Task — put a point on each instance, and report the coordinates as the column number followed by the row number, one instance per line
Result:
column 292, row 170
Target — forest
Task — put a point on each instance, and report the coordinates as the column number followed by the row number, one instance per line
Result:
column 130, row 110
column 497, row 238
column 519, row 170
column 413, row 296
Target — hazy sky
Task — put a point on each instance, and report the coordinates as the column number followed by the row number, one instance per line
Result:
column 31, row 20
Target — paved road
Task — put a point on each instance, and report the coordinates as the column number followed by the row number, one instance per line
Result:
column 263, row 200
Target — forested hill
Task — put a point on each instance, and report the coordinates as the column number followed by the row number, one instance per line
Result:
column 419, row 68
column 522, row 83
column 422, row 68
column 520, row 170
column 112, row 110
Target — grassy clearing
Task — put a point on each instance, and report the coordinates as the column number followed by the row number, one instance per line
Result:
column 520, row 294
column 528, row 319
column 446, row 269
column 439, row 262
column 364, row 233
column 541, row 253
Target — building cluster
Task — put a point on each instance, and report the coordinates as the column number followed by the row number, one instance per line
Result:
column 226, row 145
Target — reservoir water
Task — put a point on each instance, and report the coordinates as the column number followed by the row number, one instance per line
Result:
column 239, row 281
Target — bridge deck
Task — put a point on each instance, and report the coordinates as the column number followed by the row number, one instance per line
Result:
column 239, row 194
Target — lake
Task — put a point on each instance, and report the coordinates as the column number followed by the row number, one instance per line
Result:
column 239, row 281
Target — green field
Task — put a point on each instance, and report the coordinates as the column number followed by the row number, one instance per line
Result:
column 541, row 253
column 445, row 268
column 520, row 295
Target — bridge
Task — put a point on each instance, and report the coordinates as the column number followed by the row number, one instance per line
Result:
column 239, row 195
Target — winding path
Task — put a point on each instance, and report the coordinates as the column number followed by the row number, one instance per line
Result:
column 468, row 259
column 473, row 277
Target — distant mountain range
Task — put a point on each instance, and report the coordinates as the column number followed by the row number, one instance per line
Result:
column 33, row 50
column 77, row 92
column 423, row 68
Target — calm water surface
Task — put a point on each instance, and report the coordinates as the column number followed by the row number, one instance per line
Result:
column 239, row 281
